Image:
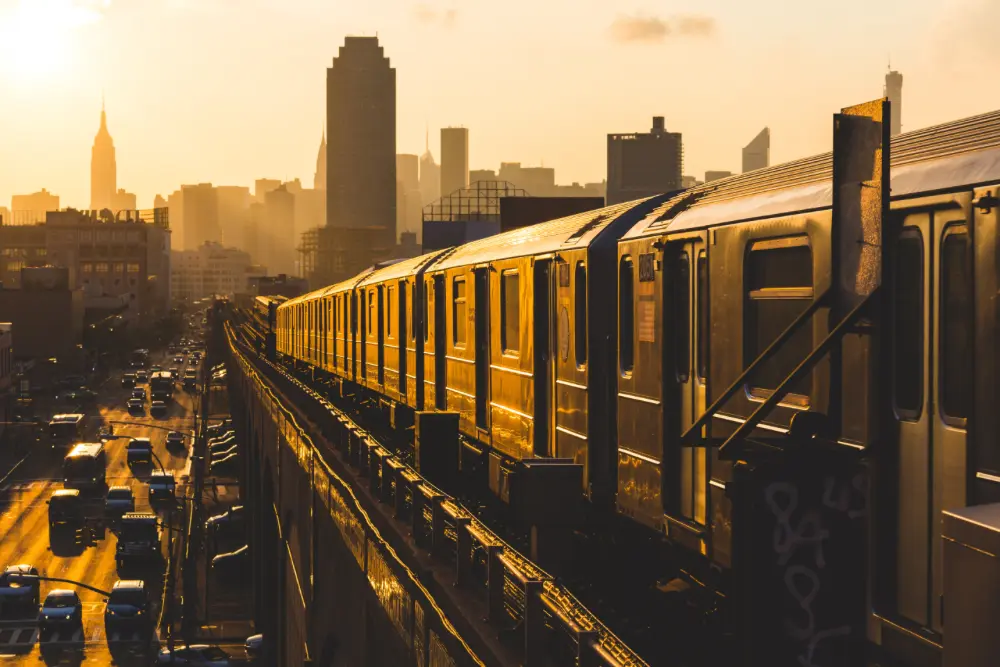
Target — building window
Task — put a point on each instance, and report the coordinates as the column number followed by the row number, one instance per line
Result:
column 779, row 281
column 626, row 315
column 86, row 237
column 133, row 267
column 458, row 313
column 956, row 324
column 102, row 267
column 86, row 267
column 510, row 312
column 119, row 267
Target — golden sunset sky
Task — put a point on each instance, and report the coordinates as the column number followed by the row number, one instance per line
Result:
column 232, row 90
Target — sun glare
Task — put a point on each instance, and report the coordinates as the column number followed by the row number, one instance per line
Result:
column 38, row 37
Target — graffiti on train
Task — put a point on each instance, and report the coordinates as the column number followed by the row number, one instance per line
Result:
column 813, row 524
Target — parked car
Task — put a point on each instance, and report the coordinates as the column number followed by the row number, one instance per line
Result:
column 158, row 409
column 232, row 566
column 128, row 380
column 139, row 450
column 225, row 467
column 136, row 406
column 128, row 605
column 254, row 648
column 162, row 487
column 175, row 439
column 201, row 655
column 19, row 588
column 62, row 607
column 119, row 501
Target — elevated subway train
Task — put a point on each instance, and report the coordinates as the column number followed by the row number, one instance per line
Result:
column 599, row 339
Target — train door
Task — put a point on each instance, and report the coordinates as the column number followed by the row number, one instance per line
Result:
column 383, row 309
column 440, row 341
column 687, row 364
column 543, row 355
column 932, row 393
column 482, row 333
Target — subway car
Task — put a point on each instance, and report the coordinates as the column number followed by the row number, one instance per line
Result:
column 600, row 339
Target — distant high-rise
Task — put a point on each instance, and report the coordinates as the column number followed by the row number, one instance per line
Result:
column 201, row 215
column 408, row 204
column 716, row 175
column 361, row 120
column 643, row 165
column 319, row 179
column 103, row 169
column 37, row 202
column 757, row 154
column 894, row 91
column 454, row 159
column 430, row 175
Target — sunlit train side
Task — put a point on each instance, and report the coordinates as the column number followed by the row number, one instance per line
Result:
column 713, row 277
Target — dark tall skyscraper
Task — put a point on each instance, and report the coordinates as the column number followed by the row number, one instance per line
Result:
column 103, row 169
column 454, row 159
column 757, row 154
column 643, row 165
column 894, row 91
column 361, row 129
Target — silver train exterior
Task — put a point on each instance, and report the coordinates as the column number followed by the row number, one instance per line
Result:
column 601, row 337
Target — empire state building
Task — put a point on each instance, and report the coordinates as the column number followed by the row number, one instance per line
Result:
column 103, row 170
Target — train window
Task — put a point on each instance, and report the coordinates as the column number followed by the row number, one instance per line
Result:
column 427, row 310
column 354, row 313
column 908, row 325
column 626, row 317
column 580, row 315
column 779, row 277
column 458, row 313
column 390, row 299
column 510, row 311
column 681, row 289
column 702, row 307
column 372, row 313
column 413, row 311
column 956, row 325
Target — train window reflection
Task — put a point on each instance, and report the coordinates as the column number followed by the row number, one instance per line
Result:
column 458, row 312
column 580, row 315
column 779, row 277
column 956, row 326
column 908, row 325
column 626, row 316
column 510, row 311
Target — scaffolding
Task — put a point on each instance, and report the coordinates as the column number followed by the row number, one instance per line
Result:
column 479, row 201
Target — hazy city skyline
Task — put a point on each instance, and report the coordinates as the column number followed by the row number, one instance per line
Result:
column 214, row 92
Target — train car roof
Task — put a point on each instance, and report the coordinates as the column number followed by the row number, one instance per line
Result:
column 329, row 289
column 575, row 231
column 960, row 153
column 402, row 269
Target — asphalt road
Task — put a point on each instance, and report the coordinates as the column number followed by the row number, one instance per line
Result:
column 88, row 555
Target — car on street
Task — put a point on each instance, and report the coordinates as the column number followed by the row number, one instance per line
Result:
column 141, row 376
column 156, row 369
column 254, row 648
column 139, row 450
column 136, row 406
column 84, row 394
column 162, row 487
column 128, row 605
column 119, row 501
column 139, row 392
column 158, row 409
column 199, row 655
column 232, row 517
column 138, row 538
column 179, row 359
column 65, row 508
column 225, row 467
column 128, row 380
column 232, row 566
column 175, row 439
column 175, row 372
column 62, row 607
column 19, row 588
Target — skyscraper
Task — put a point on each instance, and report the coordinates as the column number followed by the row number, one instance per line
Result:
column 894, row 91
column 201, row 215
column 454, row 159
column 319, row 179
column 430, row 174
column 642, row 165
column 103, row 169
column 361, row 120
column 408, row 202
column 757, row 154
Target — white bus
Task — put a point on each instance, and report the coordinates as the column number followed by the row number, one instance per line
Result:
column 85, row 466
